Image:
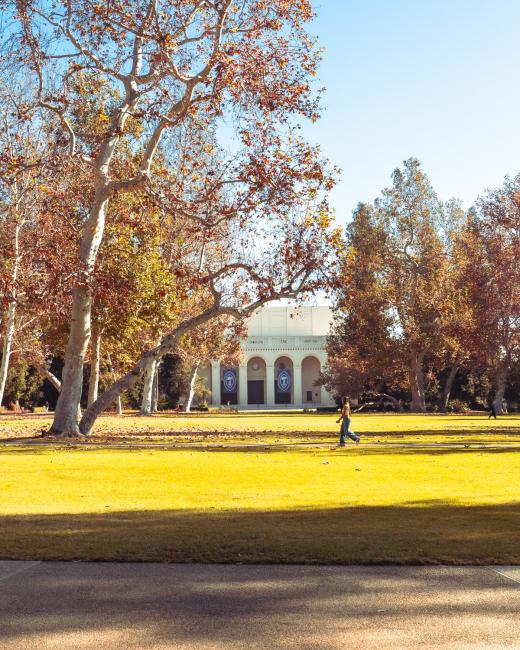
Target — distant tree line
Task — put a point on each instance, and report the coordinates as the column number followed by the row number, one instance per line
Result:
column 427, row 316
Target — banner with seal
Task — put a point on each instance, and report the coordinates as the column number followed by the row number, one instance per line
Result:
column 284, row 381
column 229, row 379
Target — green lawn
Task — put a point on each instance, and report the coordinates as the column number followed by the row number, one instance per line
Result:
column 452, row 496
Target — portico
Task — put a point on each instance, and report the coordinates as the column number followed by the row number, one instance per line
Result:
column 284, row 353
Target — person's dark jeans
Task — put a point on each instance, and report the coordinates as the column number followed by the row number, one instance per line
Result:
column 345, row 431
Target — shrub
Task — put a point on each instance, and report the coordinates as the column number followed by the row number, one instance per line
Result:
column 458, row 406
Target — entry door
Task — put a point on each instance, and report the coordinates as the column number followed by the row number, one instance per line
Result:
column 255, row 391
column 281, row 397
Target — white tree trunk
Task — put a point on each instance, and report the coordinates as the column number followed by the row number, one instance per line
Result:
column 95, row 357
column 146, row 403
column 501, row 382
column 155, row 388
column 418, row 404
column 6, row 348
column 11, row 314
column 69, row 401
column 191, row 391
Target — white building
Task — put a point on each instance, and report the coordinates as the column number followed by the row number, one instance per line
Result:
column 283, row 355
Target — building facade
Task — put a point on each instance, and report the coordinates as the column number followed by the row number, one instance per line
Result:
column 283, row 355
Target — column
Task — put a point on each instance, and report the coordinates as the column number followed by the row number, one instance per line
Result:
column 269, row 389
column 326, row 399
column 297, row 383
column 242, row 385
column 215, row 383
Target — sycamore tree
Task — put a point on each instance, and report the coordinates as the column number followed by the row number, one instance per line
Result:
column 393, row 312
column 246, row 63
column 463, row 347
column 32, row 241
column 363, row 356
column 496, row 280
column 415, row 268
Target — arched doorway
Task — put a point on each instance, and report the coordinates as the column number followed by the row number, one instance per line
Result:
column 283, row 381
column 310, row 374
column 256, row 376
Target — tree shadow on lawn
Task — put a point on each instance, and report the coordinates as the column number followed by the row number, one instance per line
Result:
column 328, row 451
column 428, row 532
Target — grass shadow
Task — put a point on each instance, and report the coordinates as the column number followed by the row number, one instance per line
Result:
column 415, row 533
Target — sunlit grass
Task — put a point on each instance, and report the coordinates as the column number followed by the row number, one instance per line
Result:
column 358, row 504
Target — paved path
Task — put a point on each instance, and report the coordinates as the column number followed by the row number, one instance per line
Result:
column 108, row 605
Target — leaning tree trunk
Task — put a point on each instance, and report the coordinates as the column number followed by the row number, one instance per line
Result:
column 66, row 414
column 168, row 344
column 95, row 357
column 418, row 404
column 191, row 391
column 11, row 316
column 146, row 403
column 448, row 385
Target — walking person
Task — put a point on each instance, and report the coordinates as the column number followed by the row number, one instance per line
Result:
column 344, row 418
column 492, row 410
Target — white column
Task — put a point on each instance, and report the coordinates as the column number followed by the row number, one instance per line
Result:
column 215, row 383
column 326, row 399
column 242, row 385
column 297, row 383
column 269, row 378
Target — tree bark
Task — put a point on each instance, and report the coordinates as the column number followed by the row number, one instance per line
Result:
column 95, row 357
column 118, row 402
column 11, row 315
column 418, row 404
column 448, row 385
column 66, row 415
column 155, row 387
column 52, row 379
column 500, row 390
column 6, row 348
column 149, row 374
column 191, row 390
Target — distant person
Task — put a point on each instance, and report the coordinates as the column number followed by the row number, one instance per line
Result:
column 344, row 418
column 492, row 410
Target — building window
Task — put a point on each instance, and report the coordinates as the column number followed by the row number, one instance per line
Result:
column 309, row 396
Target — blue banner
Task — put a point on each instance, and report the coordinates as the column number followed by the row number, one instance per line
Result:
column 284, row 381
column 229, row 379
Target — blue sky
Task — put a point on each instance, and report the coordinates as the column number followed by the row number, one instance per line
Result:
column 434, row 79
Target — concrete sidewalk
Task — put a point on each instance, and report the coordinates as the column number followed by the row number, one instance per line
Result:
column 108, row 605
